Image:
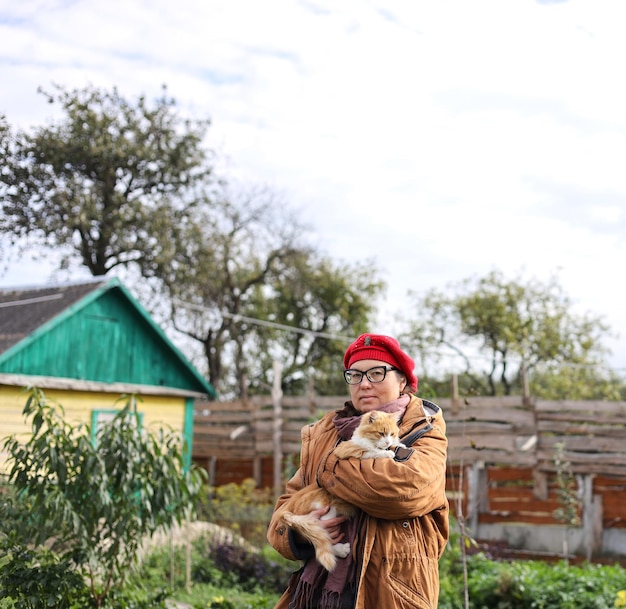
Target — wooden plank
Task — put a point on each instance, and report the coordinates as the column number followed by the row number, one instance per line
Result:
column 202, row 434
column 293, row 426
column 460, row 428
column 614, row 509
column 513, row 417
column 601, row 483
column 521, row 518
column 263, row 426
column 222, row 418
column 486, row 402
column 586, row 468
column 506, row 492
column 527, row 506
column 594, row 408
column 291, row 448
column 569, row 426
column 575, row 417
column 485, row 442
column 224, row 454
column 520, row 498
column 469, row 455
column 237, row 405
column 577, row 458
column 243, row 438
column 584, row 443
column 303, row 403
column 514, row 475
column 302, row 414
column 267, row 447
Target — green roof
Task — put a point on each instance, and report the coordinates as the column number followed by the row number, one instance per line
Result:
column 94, row 331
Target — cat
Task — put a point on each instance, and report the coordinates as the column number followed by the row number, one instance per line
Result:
column 376, row 434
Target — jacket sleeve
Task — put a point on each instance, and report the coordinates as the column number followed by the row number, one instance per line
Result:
column 278, row 534
column 388, row 488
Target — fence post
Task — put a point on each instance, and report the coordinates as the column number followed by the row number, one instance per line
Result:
column 311, row 394
column 540, row 484
column 257, row 462
column 277, row 396
column 455, row 394
column 477, row 496
column 592, row 517
column 525, row 386
column 211, row 467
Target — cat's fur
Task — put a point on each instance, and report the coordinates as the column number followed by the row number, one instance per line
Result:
column 374, row 437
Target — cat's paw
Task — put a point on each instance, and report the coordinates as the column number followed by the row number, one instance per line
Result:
column 341, row 549
column 388, row 453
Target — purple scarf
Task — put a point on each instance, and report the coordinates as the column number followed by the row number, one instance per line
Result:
column 348, row 419
column 321, row 589
column 318, row 587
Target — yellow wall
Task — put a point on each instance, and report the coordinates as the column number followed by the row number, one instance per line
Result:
column 157, row 411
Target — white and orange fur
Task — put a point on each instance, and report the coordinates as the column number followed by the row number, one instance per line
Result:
column 376, row 434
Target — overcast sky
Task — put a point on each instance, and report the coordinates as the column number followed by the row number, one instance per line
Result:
column 442, row 138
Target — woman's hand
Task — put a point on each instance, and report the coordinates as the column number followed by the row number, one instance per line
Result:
column 331, row 524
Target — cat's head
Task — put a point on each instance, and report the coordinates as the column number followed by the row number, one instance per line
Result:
column 379, row 428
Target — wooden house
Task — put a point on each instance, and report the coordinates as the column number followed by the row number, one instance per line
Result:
column 87, row 345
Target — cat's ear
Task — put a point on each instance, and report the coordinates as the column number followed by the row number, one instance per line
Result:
column 373, row 416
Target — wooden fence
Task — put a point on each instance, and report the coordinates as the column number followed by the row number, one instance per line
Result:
column 502, row 473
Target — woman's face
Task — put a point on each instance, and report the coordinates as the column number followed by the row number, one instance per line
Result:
column 368, row 396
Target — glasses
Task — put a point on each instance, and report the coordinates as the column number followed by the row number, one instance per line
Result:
column 376, row 374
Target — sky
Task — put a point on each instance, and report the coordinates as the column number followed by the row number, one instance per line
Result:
column 440, row 139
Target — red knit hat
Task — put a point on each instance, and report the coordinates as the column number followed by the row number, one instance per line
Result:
column 384, row 349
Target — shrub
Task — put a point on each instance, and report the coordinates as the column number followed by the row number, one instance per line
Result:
column 232, row 564
column 240, row 507
column 39, row 580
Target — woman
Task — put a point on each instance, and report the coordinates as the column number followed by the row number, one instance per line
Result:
column 402, row 528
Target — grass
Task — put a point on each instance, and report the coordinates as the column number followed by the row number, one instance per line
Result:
column 208, row 596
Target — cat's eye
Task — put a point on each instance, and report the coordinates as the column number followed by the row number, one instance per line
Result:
column 376, row 374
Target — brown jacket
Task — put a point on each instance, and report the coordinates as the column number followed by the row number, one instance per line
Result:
column 406, row 527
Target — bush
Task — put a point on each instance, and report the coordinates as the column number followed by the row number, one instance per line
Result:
column 39, row 580
column 231, row 564
column 240, row 507
column 243, row 508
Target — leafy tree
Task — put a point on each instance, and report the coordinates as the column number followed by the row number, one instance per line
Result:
column 332, row 304
column 510, row 324
column 245, row 259
column 107, row 181
column 92, row 503
column 576, row 382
